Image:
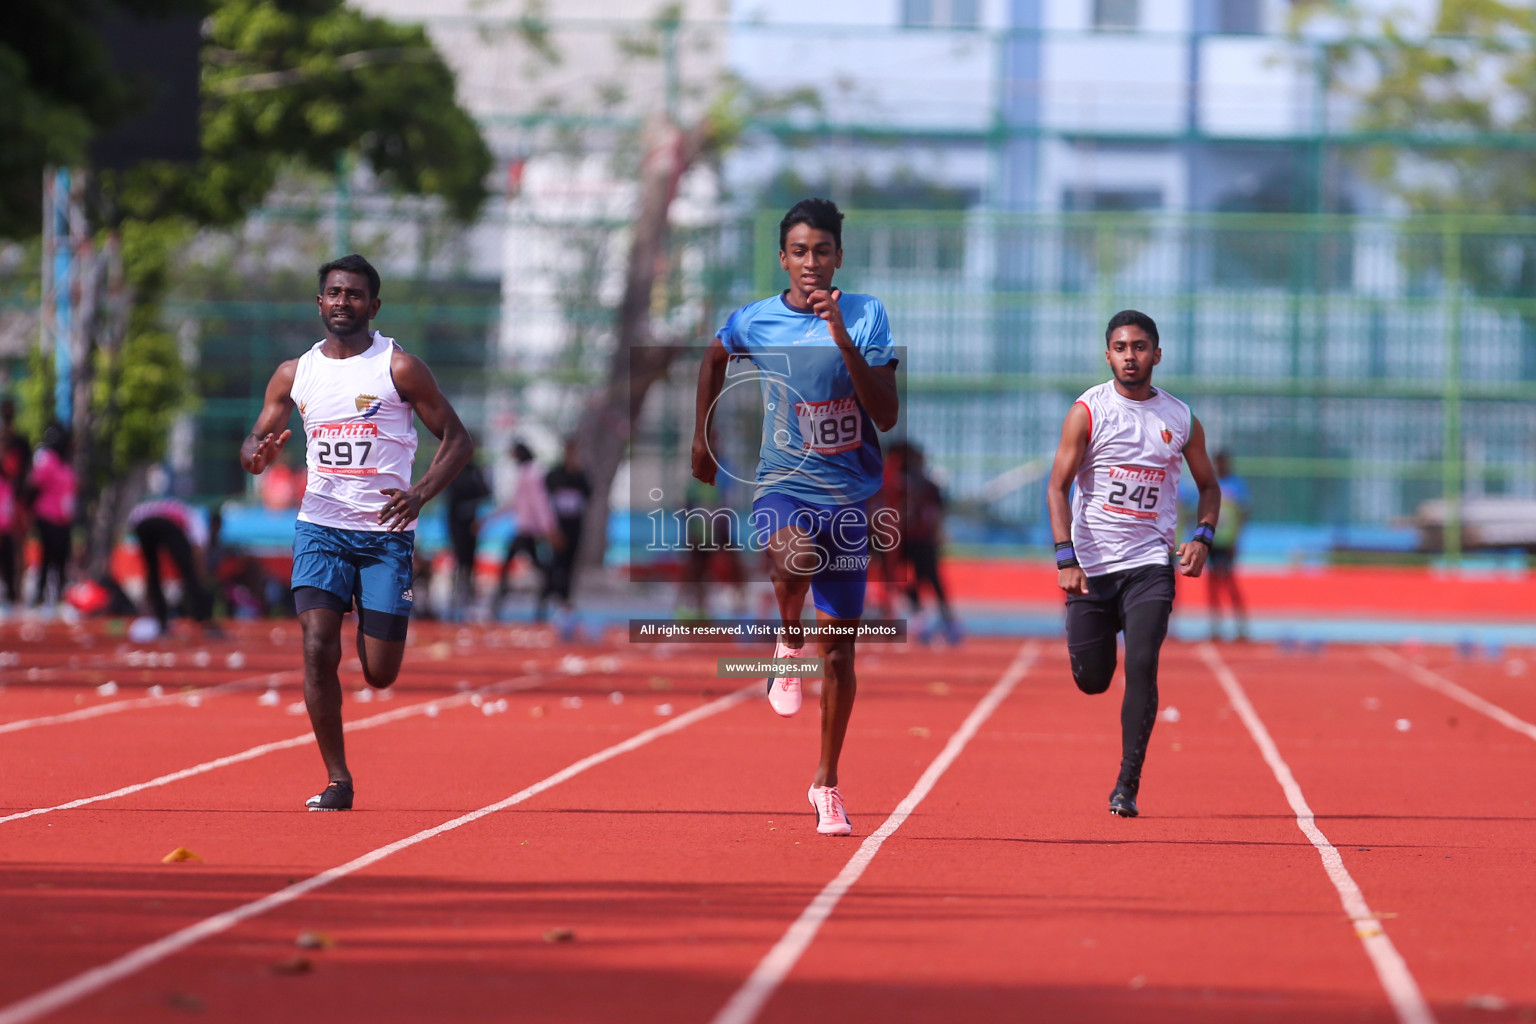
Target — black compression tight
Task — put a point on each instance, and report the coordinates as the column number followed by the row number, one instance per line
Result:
column 1093, row 666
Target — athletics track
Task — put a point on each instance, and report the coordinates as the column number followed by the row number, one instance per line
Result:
column 1301, row 856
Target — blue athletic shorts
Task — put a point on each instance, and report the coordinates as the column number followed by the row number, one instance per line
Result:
column 840, row 565
column 366, row 568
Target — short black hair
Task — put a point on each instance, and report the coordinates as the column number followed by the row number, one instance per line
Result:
column 57, row 437
column 1131, row 318
column 821, row 214
column 353, row 264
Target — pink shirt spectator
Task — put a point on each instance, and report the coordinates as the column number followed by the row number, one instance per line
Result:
column 7, row 504
column 54, row 480
column 530, row 503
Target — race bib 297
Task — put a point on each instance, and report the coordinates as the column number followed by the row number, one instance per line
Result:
column 343, row 449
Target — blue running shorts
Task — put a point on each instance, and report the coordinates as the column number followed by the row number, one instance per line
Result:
column 369, row 569
column 840, row 565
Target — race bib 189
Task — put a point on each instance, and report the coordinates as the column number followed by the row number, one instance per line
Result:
column 342, row 449
column 830, row 427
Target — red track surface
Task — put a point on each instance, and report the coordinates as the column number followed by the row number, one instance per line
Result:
column 1404, row 592
column 1009, row 894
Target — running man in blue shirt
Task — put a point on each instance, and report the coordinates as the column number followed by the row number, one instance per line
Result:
column 827, row 371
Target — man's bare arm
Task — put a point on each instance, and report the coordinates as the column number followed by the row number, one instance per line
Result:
column 875, row 386
column 1075, row 430
column 1192, row 554
column 264, row 444
column 416, row 385
column 711, row 380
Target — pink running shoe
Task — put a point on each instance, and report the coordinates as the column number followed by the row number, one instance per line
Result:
column 784, row 693
column 831, row 816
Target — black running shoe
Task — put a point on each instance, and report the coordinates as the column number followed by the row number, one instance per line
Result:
column 337, row 797
column 1123, row 801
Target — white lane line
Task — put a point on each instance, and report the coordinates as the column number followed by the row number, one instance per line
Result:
column 373, row 721
column 97, row 978
column 180, row 697
column 1441, row 685
column 1391, row 969
column 771, row 971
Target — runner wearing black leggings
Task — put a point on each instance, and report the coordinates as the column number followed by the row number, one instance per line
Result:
column 1113, row 514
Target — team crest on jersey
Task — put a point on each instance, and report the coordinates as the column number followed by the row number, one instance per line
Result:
column 368, row 405
column 1167, row 436
column 302, row 407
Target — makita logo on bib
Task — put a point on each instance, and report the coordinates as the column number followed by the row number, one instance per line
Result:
column 345, row 431
column 1141, row 474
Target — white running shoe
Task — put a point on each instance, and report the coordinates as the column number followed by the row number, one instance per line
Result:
column 784, row 693
column 831, row 816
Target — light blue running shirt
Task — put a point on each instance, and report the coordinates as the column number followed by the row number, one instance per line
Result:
column 819, row 445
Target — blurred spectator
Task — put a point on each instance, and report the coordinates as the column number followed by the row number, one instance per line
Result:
column 8, row 432
column 569, row 495
column 15, row 463
column 282, row 485
column 922, row 537
column 52, row 486
column 711, row 536
column 243, row 586
column 173, row 528
column 889, row 572
column 8, row 577
column 1220, row 565
column 423, row 572
column 533, row 521
column 464, row 495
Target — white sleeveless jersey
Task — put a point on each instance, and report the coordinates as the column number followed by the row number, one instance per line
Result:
column 1125, row 508
column 360, row 435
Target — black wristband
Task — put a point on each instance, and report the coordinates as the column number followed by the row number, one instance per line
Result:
column 1205, row 534
column 1066, row 557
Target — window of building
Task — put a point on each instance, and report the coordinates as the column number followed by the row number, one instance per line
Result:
column 1238, row 17
column 1115, row 15
column 1136, row 200
column 941, row 13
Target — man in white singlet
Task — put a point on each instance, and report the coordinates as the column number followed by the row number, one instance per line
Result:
column 356, row 392
column 1113, row 514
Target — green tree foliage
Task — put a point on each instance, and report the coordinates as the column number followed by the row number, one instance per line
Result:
column 145, row 379
column 307, row 81
column 1457, row 98
column 282, row 80
column 1455, row 102
column 285, row 83
column 139, row 384
column 35, row 394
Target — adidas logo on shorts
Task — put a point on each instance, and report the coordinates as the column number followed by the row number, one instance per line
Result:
column 408, row 596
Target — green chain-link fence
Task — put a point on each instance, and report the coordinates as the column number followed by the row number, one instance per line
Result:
column 1355, row 367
